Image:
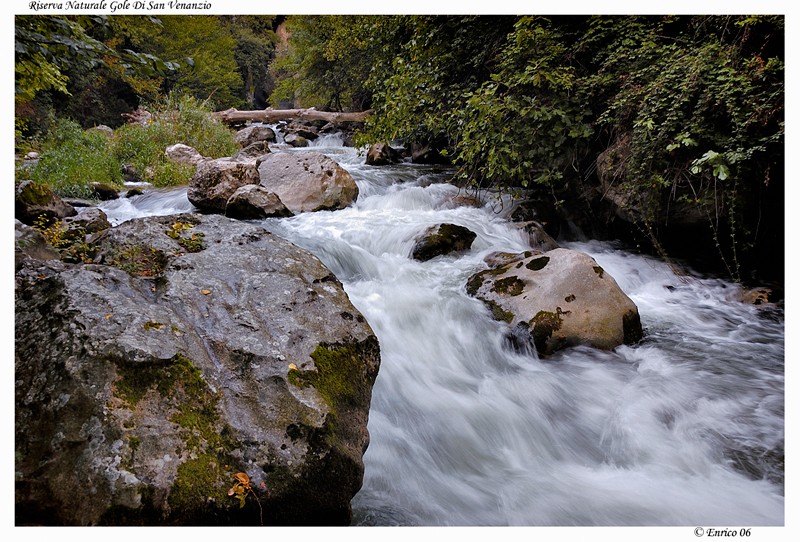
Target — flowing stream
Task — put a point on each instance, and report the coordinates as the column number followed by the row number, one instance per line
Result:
column 685, row 428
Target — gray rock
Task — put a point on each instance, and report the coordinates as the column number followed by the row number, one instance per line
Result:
column 307, row 181
column 253, row 201
column 252, row 152
column 295, row 140
column 103, row 129
column 30, row 244
column 442, row 239
column 308, row 130
column 144, row 384
column 183, row 154
column 215, row 181
column 252, row 134
column 558, row 299
column 537, row 237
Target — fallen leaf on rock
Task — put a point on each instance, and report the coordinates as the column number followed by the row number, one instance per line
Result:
column 205, row 292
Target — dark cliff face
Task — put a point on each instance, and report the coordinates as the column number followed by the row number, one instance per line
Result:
column 197, row 348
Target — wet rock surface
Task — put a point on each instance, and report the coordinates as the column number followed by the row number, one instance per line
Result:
column 197, row 348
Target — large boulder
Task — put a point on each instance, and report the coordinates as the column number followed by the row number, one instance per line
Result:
column 215, row 181
column 204, row 363
column 442, row 239
column 252, row 134
column 557, row 299
column 35, row 201
column 307, row 181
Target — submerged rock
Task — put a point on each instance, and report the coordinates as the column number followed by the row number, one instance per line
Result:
column 198, row 348
column 442, row 239
column 557, row 299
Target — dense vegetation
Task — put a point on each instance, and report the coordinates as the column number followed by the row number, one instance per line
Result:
column 664, row 130
column 676, row 123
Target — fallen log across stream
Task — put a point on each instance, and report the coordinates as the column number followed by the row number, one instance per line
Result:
column 234, row 116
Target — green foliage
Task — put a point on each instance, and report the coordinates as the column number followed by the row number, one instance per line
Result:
column 77, row 60
column 72, row 158
column 210, row 45
column 191, row 241
column 698, row 104
column 70, row 244
column 519, row 127
column 330, row 58
column 178, row 119
column 254, row 51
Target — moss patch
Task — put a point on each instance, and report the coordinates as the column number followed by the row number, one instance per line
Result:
column 182, row 385
column 511, row 286
column 543, row 325
column 498, row 313
column 190, row 241
column 537, row 264
column 476, row 281
column 343, row 376
column 199, row 480
column 35, row 194
column 598, row 270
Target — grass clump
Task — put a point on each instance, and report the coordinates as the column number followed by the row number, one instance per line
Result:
column 72, row 158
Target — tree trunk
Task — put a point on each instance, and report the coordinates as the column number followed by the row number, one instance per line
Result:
column 233, row 116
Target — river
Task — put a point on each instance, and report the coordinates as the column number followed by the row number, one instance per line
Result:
column 685, row 428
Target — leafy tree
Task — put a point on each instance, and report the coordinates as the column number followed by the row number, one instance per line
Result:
column 213, row 72
column 254, row 51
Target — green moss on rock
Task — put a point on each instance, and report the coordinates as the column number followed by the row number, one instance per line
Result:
column 342, row 374
column 199, row 481
column 511, row 286
column 543, row 325
column 537, row 264
column 498, row 313
column 35, row 194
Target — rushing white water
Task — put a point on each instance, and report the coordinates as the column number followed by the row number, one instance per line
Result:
column 685, row 428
